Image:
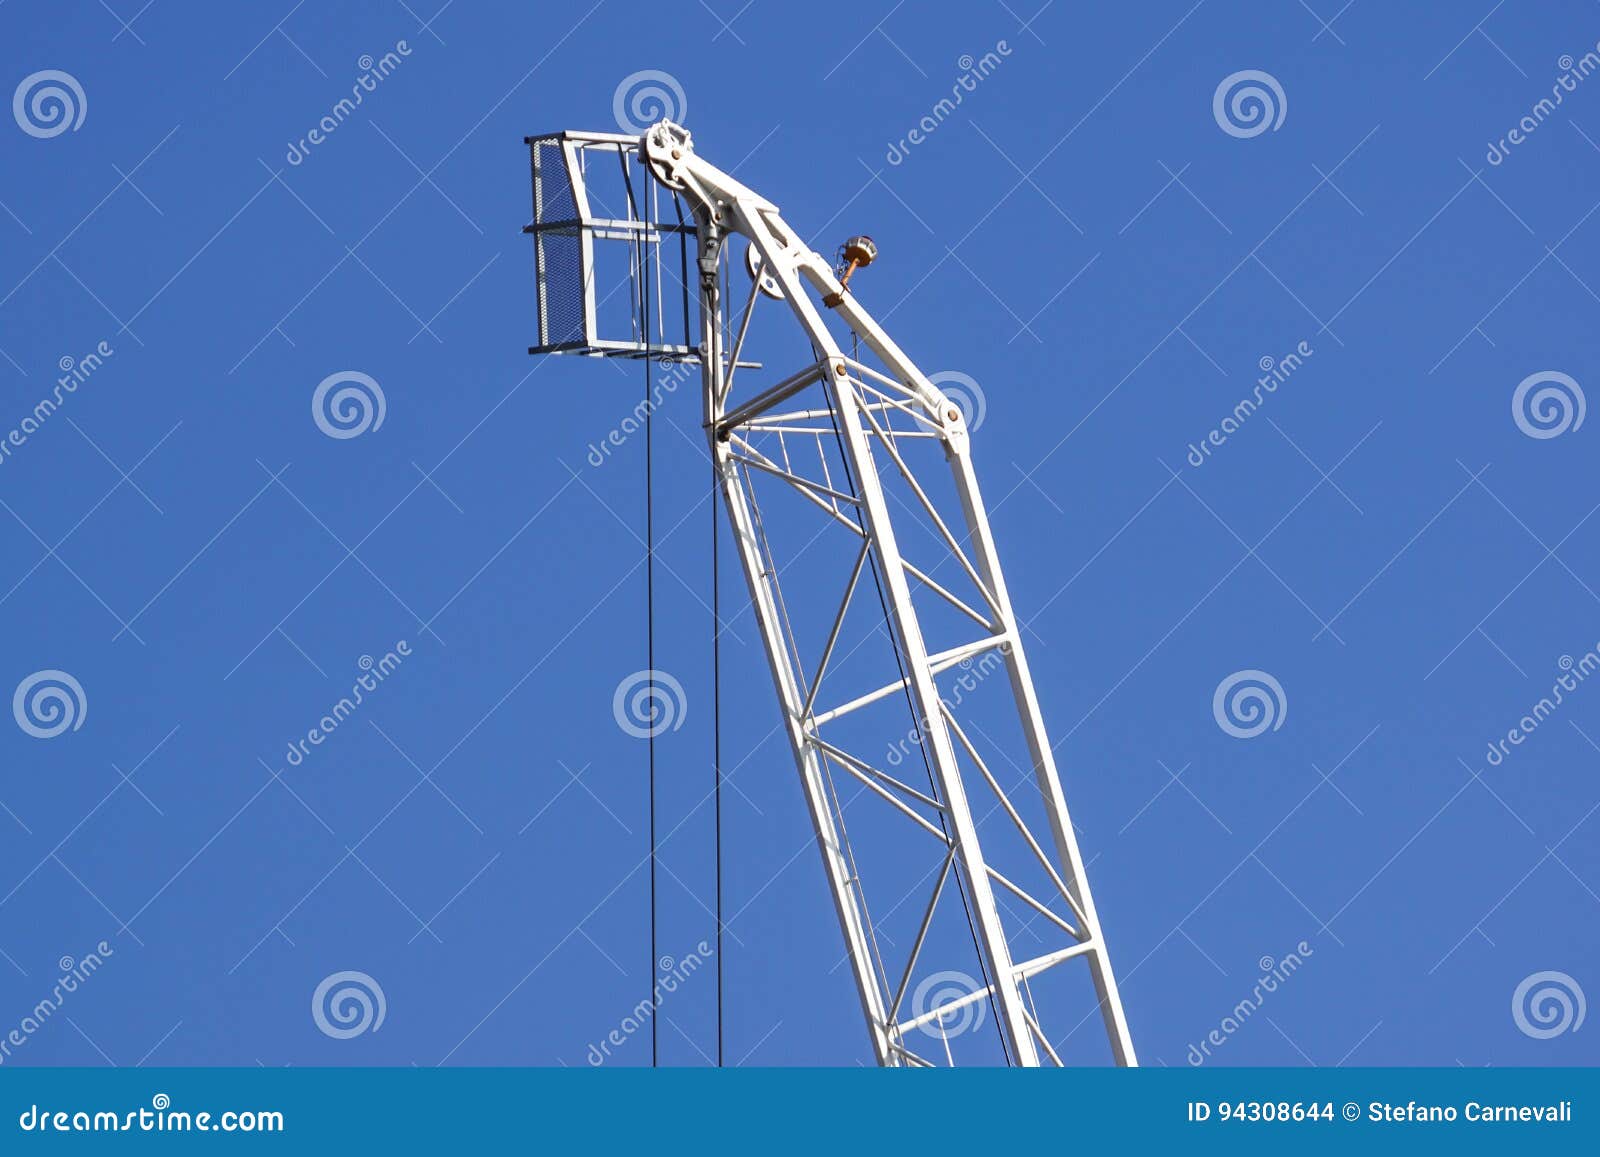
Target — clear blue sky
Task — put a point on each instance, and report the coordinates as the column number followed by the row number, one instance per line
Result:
column 1081, row 237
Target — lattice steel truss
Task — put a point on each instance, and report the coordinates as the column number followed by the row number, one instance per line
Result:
column 851, row 442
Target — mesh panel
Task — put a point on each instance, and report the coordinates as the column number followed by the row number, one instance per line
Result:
column 561, row 290
column 552, row 188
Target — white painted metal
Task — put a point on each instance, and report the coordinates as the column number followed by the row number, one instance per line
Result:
column 864, row 404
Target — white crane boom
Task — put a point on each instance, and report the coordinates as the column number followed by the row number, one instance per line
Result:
column 872, row 500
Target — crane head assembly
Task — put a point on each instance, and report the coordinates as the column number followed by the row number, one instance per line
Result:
column 904, row 690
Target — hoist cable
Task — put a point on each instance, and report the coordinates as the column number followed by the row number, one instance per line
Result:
column 716, row 736
column 650, row 613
